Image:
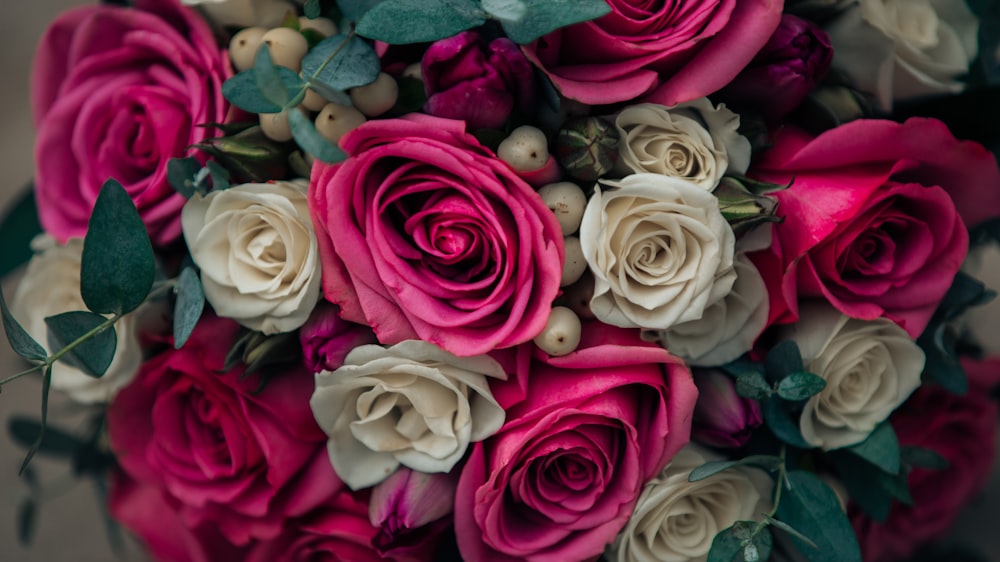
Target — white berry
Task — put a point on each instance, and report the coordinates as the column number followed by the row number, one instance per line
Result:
column 243, row 47
column 567, row 201
column 414, row 71
column 562, row 332
column 336, row 120
column 323, row 26
column 288, row 47
column 313, row 101
column 575, row 263
column 525, row 149
column 376, row 98
column 275, row 126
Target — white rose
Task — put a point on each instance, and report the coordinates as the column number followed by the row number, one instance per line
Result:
column 412, row 404
column 244, row 13
column 982, row 323
column 51, row 286
column 693, row 140
column 660, row 251
column 257, row 252
column 870, row 368
column 896, row 49
column 729, row 327
column 676, row 520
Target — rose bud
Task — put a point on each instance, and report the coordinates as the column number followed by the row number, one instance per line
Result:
column 587, row 147
column 722, row 418
column 784, row 72
column 409, row 508
column 327, row 338
column 481, row 83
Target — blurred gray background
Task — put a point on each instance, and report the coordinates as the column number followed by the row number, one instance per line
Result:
column 70, row 528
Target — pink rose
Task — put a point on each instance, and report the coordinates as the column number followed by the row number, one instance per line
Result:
column 584, row 432
column 425, row 234
column 962, row 429
column 870, row 221
column 337, row 531
column 117, row 92
column 327, row 338
column 670, row 52
column 241, row 460
column 412, row 511
column 480, row 83
column 153, row 516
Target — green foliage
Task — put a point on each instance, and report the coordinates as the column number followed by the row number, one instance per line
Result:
column 881, row 448
column 248, row 155
column 19, row 226
column 745, row 541
column 182, row 173
column 923, row 458
column 864, row 483
column 800, row 386
column 311, row 9
column 354, row 9
column 20, row 341
column 270, row 81
column 242, row 91
column 811, row 507
column 524, row 21
column 399, row 22
column 54, row 442
column 311, row 141
column 93, row 339
column 189, row 305
column 341, row 62
column 27, row 517
column 766, row 462
column 117, row 268
column 779, row 420
column 46, row 385
column 790, row 530
column 752, row 384
column 783, row 360
column 989, row 39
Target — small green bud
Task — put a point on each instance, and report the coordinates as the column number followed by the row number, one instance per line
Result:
column 587, row 147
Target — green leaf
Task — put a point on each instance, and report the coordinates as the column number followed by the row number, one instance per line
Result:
column 93, row 356
column 758, row 547
column 766, row 462
column 779, row 421
column 783, row 360
column 20, row 341
column 923, row 458
column 941, row 363
column 241, row 90
column 898, row 486
column 864, row 484
column 725, row 546
column 340, row 62
column 219, row 175
column 506, row 10
column 311, row 9
column 399, row 22
column 27, row 516
column 17, row 229
column 743, row 542
column 810, row 506
column 790, row 530
column 181, row 174
column 55, row 442
column 46, row 385
column 800, row 386
column 190, row 303
column 311, row 141
column 540, row 18
column 354, row 9
column 752, row 384
column 117, row 267
column 881, row 448
column 268, row 79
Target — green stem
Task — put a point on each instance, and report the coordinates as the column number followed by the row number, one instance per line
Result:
column 38, row 367
column 82, row 339
column 779, row 483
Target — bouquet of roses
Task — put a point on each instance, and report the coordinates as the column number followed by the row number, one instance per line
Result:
column 516, row 280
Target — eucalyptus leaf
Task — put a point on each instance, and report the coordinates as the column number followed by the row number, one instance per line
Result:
column 311, row 141
column 181, row 174
column 399, row 22
column 766, row 462
column 190, row 303
column 219, row 175
column 783, row 360
column 790, row 530
column 55, row 442
column 311, row 9
column 898, row 486
column 864, row 484
column 17, row 229
column 540, row 18
column 20, row 341
column 268, row 79
column 811, row 507
column 43, row 422
column 779, row 421
column 881, row 448
column 752, row 384
column 340, row 62
column 241, row 90
column 923, row 458
column 354, row 9
column 118, row 266
column 506, row 10
column 726, row 547
column 92, row 356
column 800, row 386
column 27, row 517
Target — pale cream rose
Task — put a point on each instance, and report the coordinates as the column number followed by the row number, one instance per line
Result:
column 659, row 249
column 676, row 520
column 257, row 252
column 901, row 49
column 50, row 286
column 694, row 140
column 412, row 404
column 870, row 367
column 728, row 328
column 244, row 13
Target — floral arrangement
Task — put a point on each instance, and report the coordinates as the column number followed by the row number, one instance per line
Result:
column 505, row 280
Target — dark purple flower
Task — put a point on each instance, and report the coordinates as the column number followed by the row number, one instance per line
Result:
column 791, row 64
column 327, row 338
column 481, row 83
column 722, row 418
column 410, row 510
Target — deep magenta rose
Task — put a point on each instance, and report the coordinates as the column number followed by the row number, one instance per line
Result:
column 480, row 83
column 153, row 516
column 784, row 72
column 117, row 92
column 327, row 338
column 722, row 418
column 870, row 221
column 241, row 460
column 337, row 531
column 670, row 52
column 962, row 429
column 425, row 234
column 584, row 432
column 412, row 512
